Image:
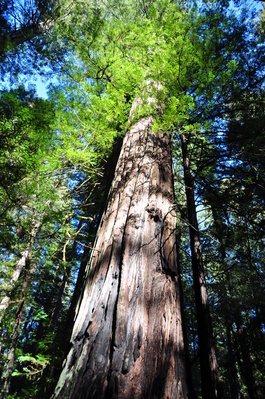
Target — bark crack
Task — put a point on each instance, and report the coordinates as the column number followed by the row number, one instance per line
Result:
column 114, row 322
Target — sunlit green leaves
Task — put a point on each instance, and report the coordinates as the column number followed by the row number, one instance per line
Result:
column 25, row 132
column 54, row 160
column 32, row 366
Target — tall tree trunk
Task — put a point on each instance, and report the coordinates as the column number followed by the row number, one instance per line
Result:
column 127, row 341
column 222, row 235
column 23, row 265
column 11, row 354
column 231, row 356
column 108, row 175
column 244, row 357
column 208, row 361
column 16, row 275
column 243, row 350
column 192, row 392
column 231, row 363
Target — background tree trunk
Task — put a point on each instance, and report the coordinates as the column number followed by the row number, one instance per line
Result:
column 127, row 340
column 11, row 354
column 23, row 264
column 20, row 266
column 233, row 315
column 208, row 361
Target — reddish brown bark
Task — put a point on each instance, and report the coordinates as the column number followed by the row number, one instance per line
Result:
column 127, row 341
column 208, row 361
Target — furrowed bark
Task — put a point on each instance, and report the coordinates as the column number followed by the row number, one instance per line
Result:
column 208, row 361
column 127, row 341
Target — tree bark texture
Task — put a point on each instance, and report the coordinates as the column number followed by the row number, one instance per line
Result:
column 208, row 360
column 127, row 341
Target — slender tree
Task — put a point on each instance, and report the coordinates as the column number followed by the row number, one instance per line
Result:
column 208, row 359
column 25, row 265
